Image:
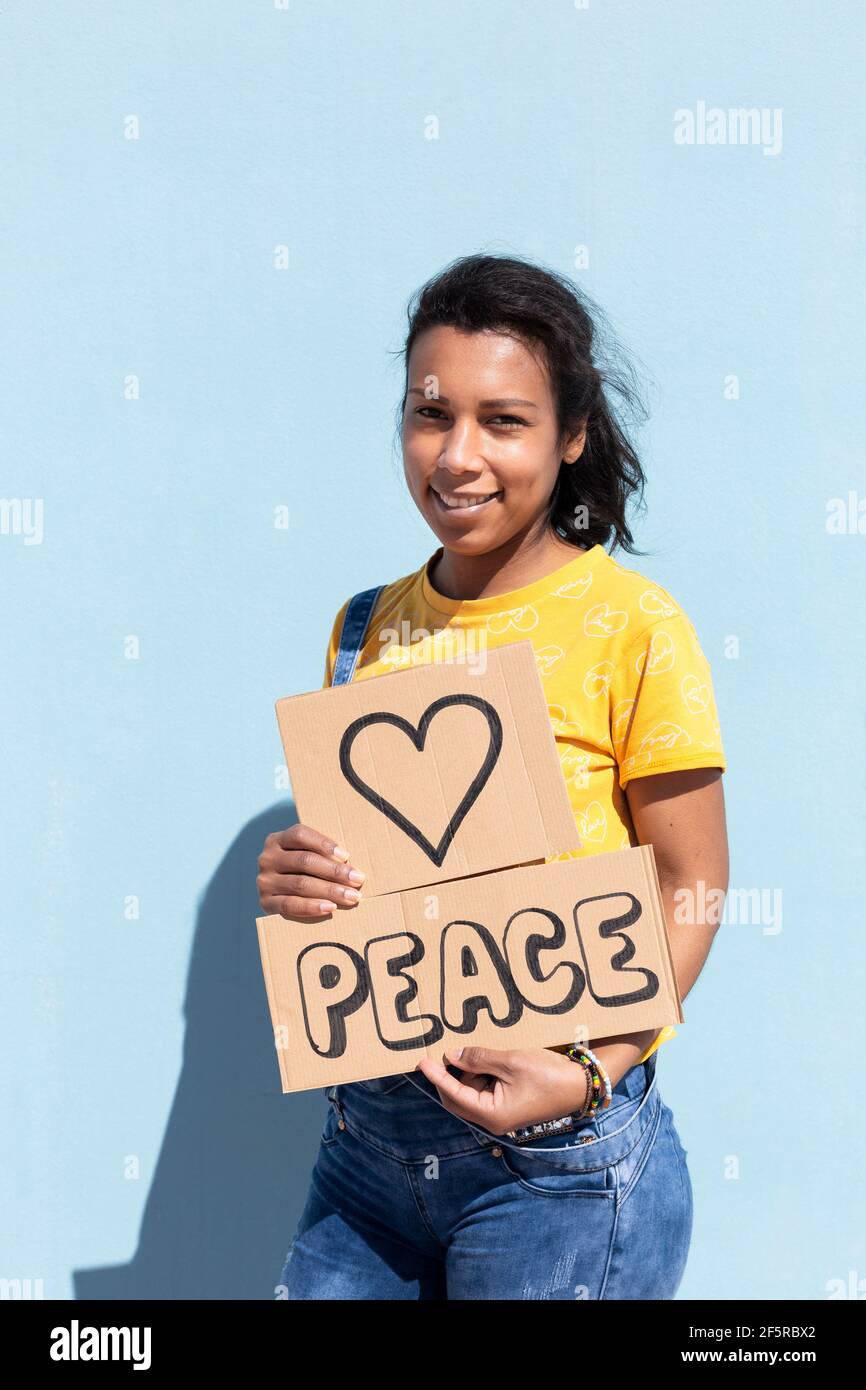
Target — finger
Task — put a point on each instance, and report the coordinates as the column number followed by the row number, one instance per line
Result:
column 309, row 862
column 487, row 1060
column 465, row 1101
column 298, row 909
column 304, row 837
column 306, row 886
column 479, row 1083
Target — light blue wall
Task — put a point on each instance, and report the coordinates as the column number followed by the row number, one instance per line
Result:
column 147, row 1040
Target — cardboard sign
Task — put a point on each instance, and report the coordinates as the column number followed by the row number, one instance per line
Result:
column 431, row 773
column 527, row 957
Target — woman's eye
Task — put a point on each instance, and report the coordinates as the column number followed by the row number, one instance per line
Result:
column 509, row 422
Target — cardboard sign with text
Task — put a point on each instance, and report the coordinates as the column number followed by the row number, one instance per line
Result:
column 527, row 957
column 432, row 773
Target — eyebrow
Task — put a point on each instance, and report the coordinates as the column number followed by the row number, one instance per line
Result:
column 499, row 400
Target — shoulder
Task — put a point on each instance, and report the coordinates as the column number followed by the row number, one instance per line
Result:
column 645, row 598
column 397, row 594
column 645, row 605
column 393, row 597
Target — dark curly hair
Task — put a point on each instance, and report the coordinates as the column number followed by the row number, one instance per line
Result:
column 543, row 308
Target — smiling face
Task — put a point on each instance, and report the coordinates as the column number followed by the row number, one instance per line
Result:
column 481, row 445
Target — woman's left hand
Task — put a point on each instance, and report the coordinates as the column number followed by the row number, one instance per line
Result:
column 502, row 1090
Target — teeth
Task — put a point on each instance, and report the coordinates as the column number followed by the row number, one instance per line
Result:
column 454, row 499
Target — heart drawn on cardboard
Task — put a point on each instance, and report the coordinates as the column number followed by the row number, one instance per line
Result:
column 418, row 735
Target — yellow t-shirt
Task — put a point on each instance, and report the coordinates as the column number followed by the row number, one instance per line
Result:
column 628, row 688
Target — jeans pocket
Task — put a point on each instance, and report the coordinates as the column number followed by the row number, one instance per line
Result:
column 582, row 1162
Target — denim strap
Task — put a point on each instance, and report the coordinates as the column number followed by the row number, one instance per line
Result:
column 355, row 622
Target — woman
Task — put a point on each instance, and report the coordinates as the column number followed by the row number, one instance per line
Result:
column 515, row 457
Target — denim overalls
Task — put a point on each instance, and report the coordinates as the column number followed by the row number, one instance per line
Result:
column 407, row 1201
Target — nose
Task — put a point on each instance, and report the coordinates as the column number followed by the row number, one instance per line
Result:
column 459, row 454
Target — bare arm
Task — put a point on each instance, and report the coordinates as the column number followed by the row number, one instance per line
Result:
column 682, row 815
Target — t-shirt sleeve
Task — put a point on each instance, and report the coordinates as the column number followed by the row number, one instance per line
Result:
column 663, row 713
column 333, row 645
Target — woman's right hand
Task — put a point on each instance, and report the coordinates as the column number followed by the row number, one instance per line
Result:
column 303, row 875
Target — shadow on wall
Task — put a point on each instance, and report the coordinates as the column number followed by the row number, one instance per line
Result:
column 234, row 1167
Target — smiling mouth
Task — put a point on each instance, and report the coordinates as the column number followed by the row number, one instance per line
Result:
column 464, row 502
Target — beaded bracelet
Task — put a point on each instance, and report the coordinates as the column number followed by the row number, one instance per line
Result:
column 594, row 1092
column 600, row 1077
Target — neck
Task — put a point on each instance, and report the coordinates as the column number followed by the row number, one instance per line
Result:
column 510, row 566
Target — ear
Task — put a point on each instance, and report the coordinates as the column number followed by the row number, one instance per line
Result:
column 574, row 445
